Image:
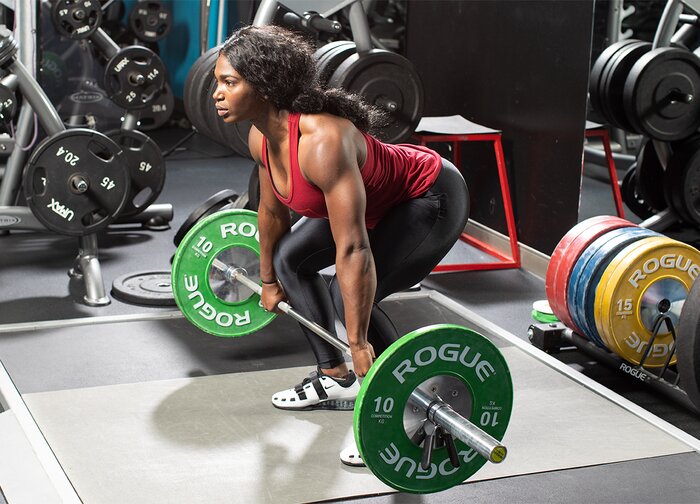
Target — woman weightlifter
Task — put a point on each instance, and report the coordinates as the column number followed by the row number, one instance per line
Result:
column 384, row 215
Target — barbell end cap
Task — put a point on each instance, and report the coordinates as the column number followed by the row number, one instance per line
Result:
column 498, row 454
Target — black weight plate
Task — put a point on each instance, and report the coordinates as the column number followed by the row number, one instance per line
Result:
column 614, row 83
column 674, row 179
column 595, row 85
column 387, row 80
column 332, row 58
column 150, row 288
column 682, row 181
column 76, row 19
column 199, row 104
column 150, row 20
column 8, row 107
column 213, row 204
column 64, row 162
column 228, row 134
column 321, row 52
column 662, row 94
column 688, row 345
column 195, row 85
column 146, row 169
column 199, row 99
column 691, row 189
column 159, row 111
column 650, row 176
column 8, row 45
column 201, row 111
column 133, row 77
column 630, row 196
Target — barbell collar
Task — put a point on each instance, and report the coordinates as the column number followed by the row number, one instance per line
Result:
column 437, row 410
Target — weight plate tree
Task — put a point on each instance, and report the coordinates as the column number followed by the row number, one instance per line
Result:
column 133, row 75
column 77, row 182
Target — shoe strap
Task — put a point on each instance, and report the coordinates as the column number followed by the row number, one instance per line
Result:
column 318, row 387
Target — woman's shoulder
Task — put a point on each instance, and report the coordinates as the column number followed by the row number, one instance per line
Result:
column 324, row 125
column 327, row 132
column 328, row 139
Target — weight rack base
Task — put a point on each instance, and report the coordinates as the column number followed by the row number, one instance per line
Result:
column 553, row 338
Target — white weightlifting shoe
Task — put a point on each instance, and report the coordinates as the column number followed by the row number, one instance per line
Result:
column 351, row 456
column 319, row 391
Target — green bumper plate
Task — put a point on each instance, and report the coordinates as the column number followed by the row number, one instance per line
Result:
column 209, row 301
column 443, row 349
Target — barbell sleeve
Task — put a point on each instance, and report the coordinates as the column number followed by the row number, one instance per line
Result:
column 441, row 413
column 438, row 411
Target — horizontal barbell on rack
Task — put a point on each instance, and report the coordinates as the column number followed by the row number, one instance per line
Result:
column 434, row 406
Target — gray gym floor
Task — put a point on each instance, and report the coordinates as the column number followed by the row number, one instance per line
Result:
column 133, row 404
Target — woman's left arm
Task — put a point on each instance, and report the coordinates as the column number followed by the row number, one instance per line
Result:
column 332, row 166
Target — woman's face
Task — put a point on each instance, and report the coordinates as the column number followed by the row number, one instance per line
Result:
column 234, row 97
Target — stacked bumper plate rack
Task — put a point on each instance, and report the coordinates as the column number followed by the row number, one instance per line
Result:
column 630, row 298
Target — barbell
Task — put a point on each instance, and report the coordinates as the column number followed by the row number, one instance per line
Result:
column 433, row 407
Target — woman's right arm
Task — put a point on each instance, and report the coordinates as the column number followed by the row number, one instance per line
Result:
column 274, row 221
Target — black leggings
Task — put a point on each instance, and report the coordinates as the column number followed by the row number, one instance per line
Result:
column 406, row 245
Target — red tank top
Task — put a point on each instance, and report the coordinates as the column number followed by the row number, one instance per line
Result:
column 391, row 174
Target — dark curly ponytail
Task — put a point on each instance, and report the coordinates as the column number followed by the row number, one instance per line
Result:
column 280, row 65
